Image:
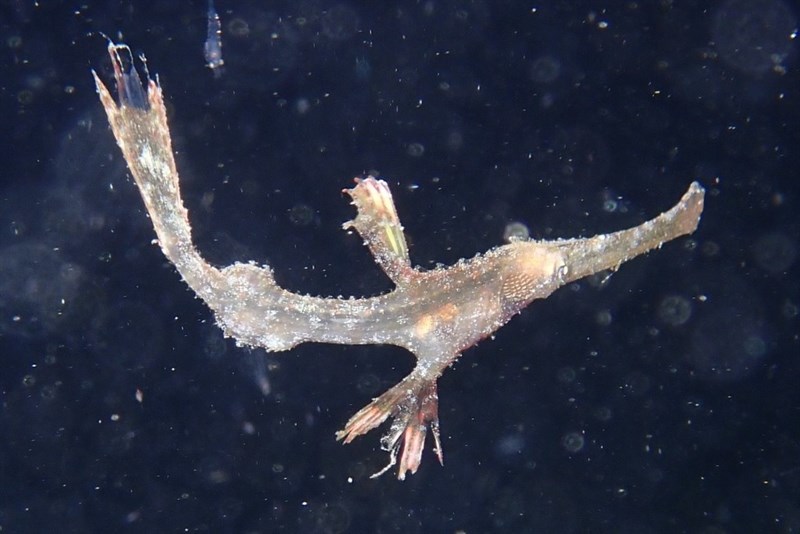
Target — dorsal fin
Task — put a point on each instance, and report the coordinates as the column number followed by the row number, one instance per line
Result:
column 379, row 226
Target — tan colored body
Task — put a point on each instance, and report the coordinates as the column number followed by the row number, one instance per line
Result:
column 434, row 314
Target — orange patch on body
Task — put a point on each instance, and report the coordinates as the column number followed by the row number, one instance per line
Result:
column 429, row 321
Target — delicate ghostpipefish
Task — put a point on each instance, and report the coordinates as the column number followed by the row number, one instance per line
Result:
column 434, row 314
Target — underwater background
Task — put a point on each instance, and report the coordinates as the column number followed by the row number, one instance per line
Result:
column 660, row 398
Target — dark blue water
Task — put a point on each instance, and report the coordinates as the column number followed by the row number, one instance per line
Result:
column 662, row 399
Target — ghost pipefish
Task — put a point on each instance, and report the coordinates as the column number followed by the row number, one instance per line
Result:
column 434, row 314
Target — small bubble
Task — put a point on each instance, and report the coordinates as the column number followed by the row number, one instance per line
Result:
column 339, row 23
column 603, row 413
column 637, row 383
column 455, row 140
column 516, row 231
column 302, row 105
column 511, row 444
column 545, row 69
column 610, row 205
column 709, row 249
column 415, row 150
column 775, row 253
column 567, row 375
column 573, row 442
column 363, row 68
column 207, row 199
column 218, row 476
column 755, row 346
column 25, row 97
column 238, row 27
column 368, row 384
column 603, row 318
column 28, row 380
column 727, row 343
column 48, row 392
column 753, row 35
column 547, row 100
column 675, row 310
column 36, row 82
column 214, row 346
column 789, row 310
column 301, row 215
